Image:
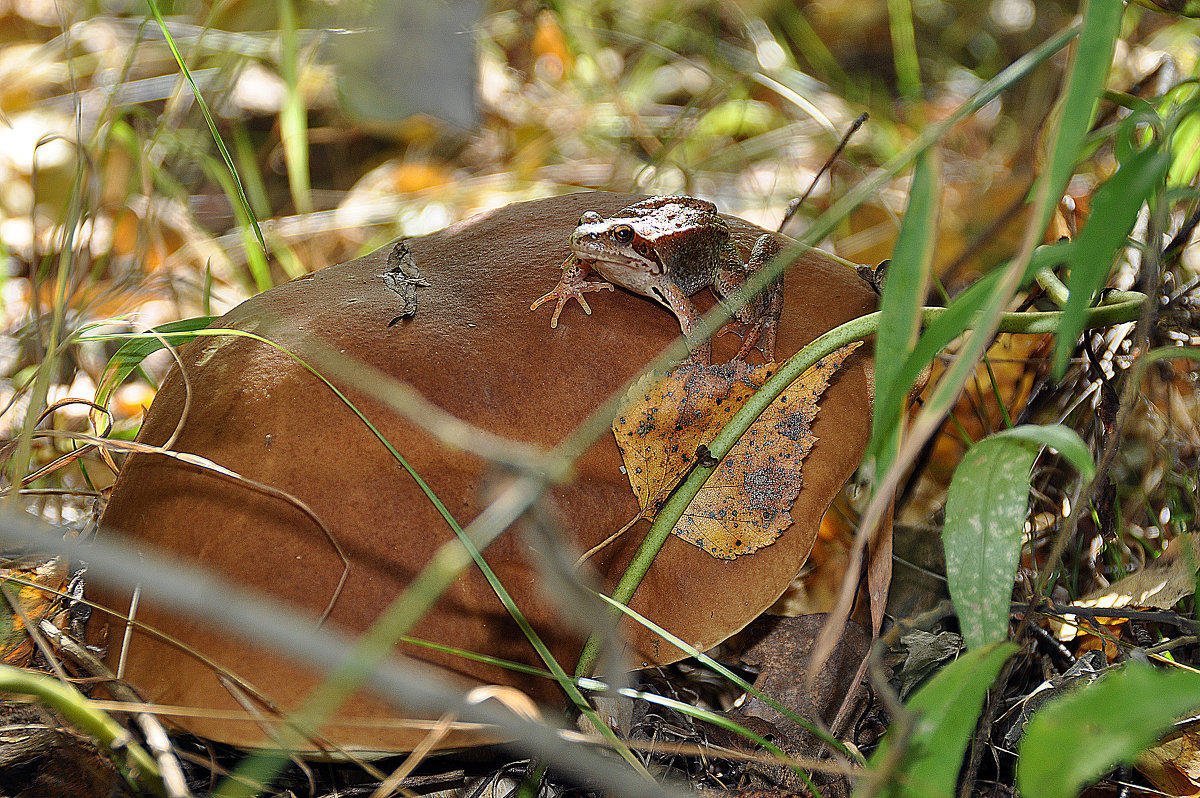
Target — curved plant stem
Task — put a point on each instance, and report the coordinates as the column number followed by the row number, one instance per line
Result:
column 73, row 706
column 1122, row 306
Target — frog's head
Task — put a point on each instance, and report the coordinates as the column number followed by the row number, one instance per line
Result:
column 644, row 236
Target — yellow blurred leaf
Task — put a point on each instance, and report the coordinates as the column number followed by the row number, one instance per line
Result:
column 549, row 47
column 33, row 588
column 413, row 176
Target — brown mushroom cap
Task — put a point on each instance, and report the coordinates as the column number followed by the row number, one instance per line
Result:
column 475, row 349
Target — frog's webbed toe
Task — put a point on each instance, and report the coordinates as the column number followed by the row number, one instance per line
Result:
column 571, row 285
column 758, row 335
column 563, row 293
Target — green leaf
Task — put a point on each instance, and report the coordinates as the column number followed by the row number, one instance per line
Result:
column 985, row 519
column 903, row 297
column 1089, row 68
column 1064, row 440
column 242, row 201
column 1115, row 208
column 1074, row 740
column 948, row 707
column 134, row 351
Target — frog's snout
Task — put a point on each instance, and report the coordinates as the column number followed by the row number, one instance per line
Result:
column 583, row 244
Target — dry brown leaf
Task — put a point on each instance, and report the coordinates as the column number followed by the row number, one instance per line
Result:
column 1173, row 765
column 746, row 504
column 1159, row 586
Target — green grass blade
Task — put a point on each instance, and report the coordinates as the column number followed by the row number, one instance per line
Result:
column 293, row 117
column 947, row 707
column 904, row 49
column 903, row 298
column 1115, row 208
column 256, row 257
column 212, row 125
column 134, row 351
column 247, row 162
column 1089, row 68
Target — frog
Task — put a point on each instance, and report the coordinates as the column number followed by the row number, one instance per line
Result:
column 669, row 248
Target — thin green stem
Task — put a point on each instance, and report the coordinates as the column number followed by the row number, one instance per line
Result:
column 1053, row 287
column 1121, row 307
column 208, row 117
column 76, row 708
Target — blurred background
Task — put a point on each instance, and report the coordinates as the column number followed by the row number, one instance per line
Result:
column 334, row 127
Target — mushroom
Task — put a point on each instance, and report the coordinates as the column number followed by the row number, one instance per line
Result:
column 473, row 348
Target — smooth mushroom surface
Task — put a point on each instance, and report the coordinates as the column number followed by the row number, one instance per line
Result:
column 475, row 349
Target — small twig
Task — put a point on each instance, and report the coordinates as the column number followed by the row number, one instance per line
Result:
column 34, row 634
column 152, row 729
column 795, row 204
column 1092, row 613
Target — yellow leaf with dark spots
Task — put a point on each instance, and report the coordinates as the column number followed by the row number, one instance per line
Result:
column 746, row 503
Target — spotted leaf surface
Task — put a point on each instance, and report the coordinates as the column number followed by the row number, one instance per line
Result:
column 746, row 503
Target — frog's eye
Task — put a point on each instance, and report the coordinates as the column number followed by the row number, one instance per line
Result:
column 591, row 217
column 623, row 233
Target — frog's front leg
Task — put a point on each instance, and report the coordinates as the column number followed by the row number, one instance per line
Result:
column 572, row 284
column 671, row 295
column 759, row 315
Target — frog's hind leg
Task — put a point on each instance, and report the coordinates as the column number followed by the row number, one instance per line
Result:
column 760, row 333
column 759, row 315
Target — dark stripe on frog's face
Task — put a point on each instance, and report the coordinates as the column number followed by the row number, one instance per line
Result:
column 637, row 237
column 615, row 240
column 644, row 248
